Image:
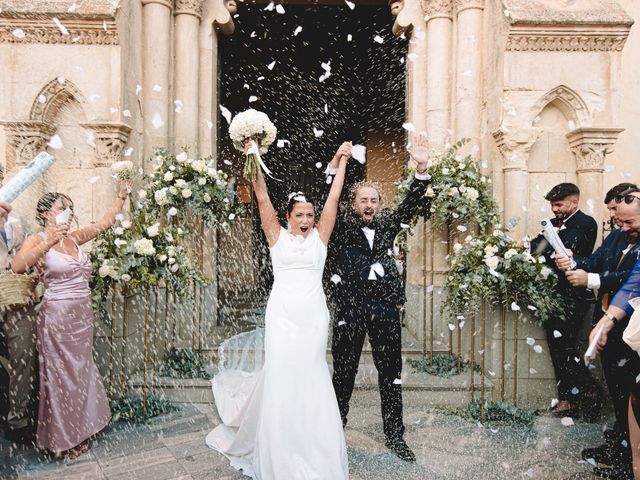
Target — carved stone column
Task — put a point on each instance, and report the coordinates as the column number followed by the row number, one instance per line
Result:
column 24, row 141
column 186, row 72
column 469, row 69
column 590, row 146
column 515, row 150
column 439, row 29
column 156, row 52
column 110, row 139
column 216, row 15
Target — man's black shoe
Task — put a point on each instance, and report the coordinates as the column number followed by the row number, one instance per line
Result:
column 22, row 436
column 401, row 450
column 609, row 454
column 620, row 473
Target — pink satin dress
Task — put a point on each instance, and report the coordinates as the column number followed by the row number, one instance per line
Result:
column 73, row 404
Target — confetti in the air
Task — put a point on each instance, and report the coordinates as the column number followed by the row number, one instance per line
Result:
column 126, row 113
column 253, row 98
column 128, row 152
column 60, row 26
column 18, row 33
column 91, row 140
column 42, row 98
column 178, row 106
column 514, row 306
column 409, row 127
column 359, row 152
column 351, row 5
column 280, row 9
column 157, row 121
column 297, row 31
column 378, row 39
column 157, row 88
column 138, row 89
column 225, row 113
column 55, row 142
column 271, row 65
column 270, row 7
column 94, row 179
column 318, row 133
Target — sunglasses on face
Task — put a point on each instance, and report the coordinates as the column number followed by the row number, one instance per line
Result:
column 628, row 198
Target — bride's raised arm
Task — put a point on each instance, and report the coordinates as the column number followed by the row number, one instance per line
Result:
column 268, row 217
column 330, row 209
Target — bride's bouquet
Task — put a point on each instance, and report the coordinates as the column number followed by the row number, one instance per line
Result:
column 255, row 126
column 123, row 169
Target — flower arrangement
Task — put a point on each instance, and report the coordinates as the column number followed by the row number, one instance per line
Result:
column 253, row 125
column 493, row 267
column 123, row 169
column 458, row 191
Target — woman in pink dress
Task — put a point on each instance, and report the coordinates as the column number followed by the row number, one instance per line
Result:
column 73, row 404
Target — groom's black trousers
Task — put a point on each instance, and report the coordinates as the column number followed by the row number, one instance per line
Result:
column 381, row 321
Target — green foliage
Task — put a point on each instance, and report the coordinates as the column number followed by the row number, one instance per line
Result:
column 183, row 363
column 129, row 409
column 494, row 268
column 496, row 414
column 443, row 365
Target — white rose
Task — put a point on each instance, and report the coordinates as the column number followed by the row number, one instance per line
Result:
column 144, row 246
column 199, row 166
column 180, row 231
column 171, row 261
column 118, row 230
column 232, row 216
column 453, row 191
column 119, row 242
column 471, row 193
column 457, row 247
column 186, row 193
column 172, row 168
column 180, row 183
column 125, row 277
column 206, row 197
column 168, row 176
column 173, row 190
column 174, row 267
column 182, row 157
column 492, row 262
column 212, row 172
column 510, row 253
column 202, row 181
column 445, row 170
column 168, row 236
column 104, row 270
column 113, row 273
column 171, row 251
column 142, row 194
column 162, row 258
column 545, row 272
column 490, row 250
column 153, row 230
column 161, row 197
column 125, row 224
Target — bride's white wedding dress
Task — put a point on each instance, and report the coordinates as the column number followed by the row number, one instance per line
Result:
column 283, row 422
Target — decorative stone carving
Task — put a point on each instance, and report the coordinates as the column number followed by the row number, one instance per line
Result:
column 409, row 16
column 466, row 4
column 82, row 31
column 231, row 6
column 165, row 3
column 189, row 7
column 110, row 138
column 52, row 98
column 590, row 146
column 568, row 38
column 515, row 147
column 569, row 102
column 25, row 140
column 439, row 8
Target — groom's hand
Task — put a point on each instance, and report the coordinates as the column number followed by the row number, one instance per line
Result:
column 343, row 151
column 419, row 152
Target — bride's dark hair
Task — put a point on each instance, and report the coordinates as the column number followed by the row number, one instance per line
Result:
column 297, row 197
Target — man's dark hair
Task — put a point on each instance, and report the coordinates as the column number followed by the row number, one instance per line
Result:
column 562, row 191
column 620, row 189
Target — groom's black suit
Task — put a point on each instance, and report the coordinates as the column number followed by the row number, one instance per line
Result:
column 370, row 306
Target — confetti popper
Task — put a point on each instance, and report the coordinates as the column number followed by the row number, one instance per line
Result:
column 25, row 177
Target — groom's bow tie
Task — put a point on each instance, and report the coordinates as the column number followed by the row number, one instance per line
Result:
column 370, row 225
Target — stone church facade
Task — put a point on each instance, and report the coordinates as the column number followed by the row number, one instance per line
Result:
column 549, row 90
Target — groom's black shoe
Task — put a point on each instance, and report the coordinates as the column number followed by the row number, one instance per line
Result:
column 401, row 450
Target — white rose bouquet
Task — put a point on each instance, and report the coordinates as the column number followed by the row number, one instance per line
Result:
column 256, row 126
column 123, row 169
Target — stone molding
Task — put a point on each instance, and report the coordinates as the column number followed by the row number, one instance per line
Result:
column 590, row 146
column 515, row 147
column 189, row 7
column 56, row 95
column 25, row 140
column 164, row 3
column 82, row 31
column 567, row 38
column 462, row 5
column 439, row 8
column 568, row 101
column 110, row 138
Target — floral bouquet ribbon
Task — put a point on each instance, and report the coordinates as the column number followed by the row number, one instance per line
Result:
column 254, row 126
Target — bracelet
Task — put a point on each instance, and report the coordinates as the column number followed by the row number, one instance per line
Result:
column 122, row 198
column 612, row 317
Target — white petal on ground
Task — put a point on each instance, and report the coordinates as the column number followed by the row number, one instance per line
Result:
column 461, row 228
column 138, row 89
column 531, row 341
column 225, row 113
column 452, row 327
column 532, row 308
column 72, row 8
column 55, row 142
column 514, row 306
column 537, row 349
column 359, row 152
column 567, row 421
column 467, row 73
column 173, row 211
column 533, row 371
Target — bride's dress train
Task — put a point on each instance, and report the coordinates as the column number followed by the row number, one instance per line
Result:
column 281, row 421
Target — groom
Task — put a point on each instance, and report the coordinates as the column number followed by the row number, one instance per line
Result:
column 368, row 294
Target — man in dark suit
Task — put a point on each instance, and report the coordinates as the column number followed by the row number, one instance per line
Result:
column 368, row 293
column 577, row 391
column 605, row 272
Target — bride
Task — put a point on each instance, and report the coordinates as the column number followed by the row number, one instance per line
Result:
column 284, row 422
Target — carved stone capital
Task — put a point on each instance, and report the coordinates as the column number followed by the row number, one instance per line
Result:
column 25, row 140
column 409, row 16
column 567, row 38
column 439, row 8
column 189, row 7
column 591, row 146
column 164, row 3
column 462, row 5
column 515, row 147
column 110, row 138
column 100, row 30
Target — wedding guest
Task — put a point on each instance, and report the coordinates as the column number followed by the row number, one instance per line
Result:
column 19, row 332
column 73, row 404
column 368, row 295
column 578, row 393
column 604, row 272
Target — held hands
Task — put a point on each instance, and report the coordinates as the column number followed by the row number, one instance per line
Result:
column 419, row 152
column 608, row 325
column 5, row 210
column 125, row 188
column 577, row 278
column 343, row 152
column 56, row 232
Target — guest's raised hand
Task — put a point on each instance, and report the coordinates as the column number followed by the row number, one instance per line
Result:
column 56, row 232
column 125, row 188
column 419, row 152
column 5, row 210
